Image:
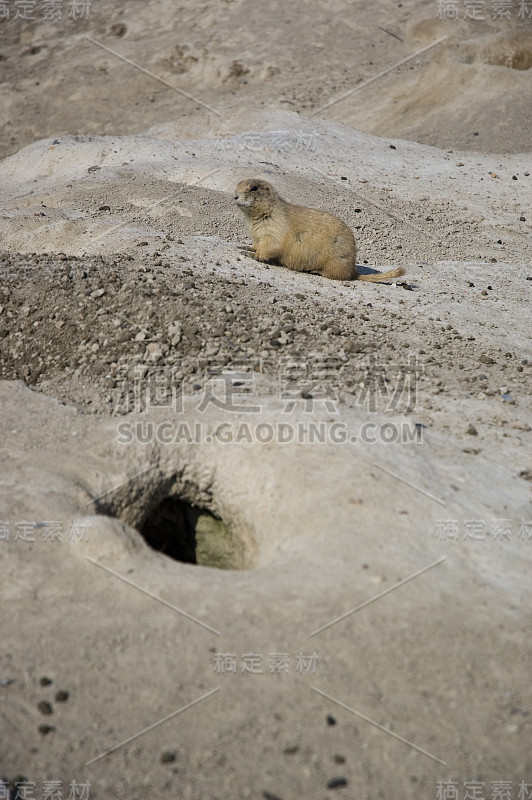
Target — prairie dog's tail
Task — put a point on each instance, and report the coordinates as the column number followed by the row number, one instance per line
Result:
column 382, row 276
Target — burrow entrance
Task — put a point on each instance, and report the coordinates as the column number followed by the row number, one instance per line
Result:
column 189, row 534
column 178, row 519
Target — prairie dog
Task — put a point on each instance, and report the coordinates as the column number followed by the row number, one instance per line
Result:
column 299, row 238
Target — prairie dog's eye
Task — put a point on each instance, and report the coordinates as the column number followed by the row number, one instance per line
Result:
column 253, row 188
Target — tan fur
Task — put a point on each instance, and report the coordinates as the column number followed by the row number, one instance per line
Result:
column 302, row 239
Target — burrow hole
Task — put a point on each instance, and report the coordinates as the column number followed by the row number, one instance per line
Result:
column 190, row 534
column 180, row 529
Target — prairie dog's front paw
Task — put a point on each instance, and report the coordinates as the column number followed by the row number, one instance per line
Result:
column 250, row 252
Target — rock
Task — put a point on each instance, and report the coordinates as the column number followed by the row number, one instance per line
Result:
column 175, row 332
column 45, row 729
column 153, row 352
column 118, row 29
column 352, row 347
column 336, row 783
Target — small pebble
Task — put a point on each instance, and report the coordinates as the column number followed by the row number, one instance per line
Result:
column 44, row 729
column 62, row 696
column 119, row 29
column 330, row 720
column 45, row 707
column 168, row 757
column 336, row 783
column 289, row 751
column 45, row 681
column 472, row 431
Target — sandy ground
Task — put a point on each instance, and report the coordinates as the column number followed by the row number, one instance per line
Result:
column 472, row 90
column 361, row 442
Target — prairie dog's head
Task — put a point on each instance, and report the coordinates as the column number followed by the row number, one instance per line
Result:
column 255, row 196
